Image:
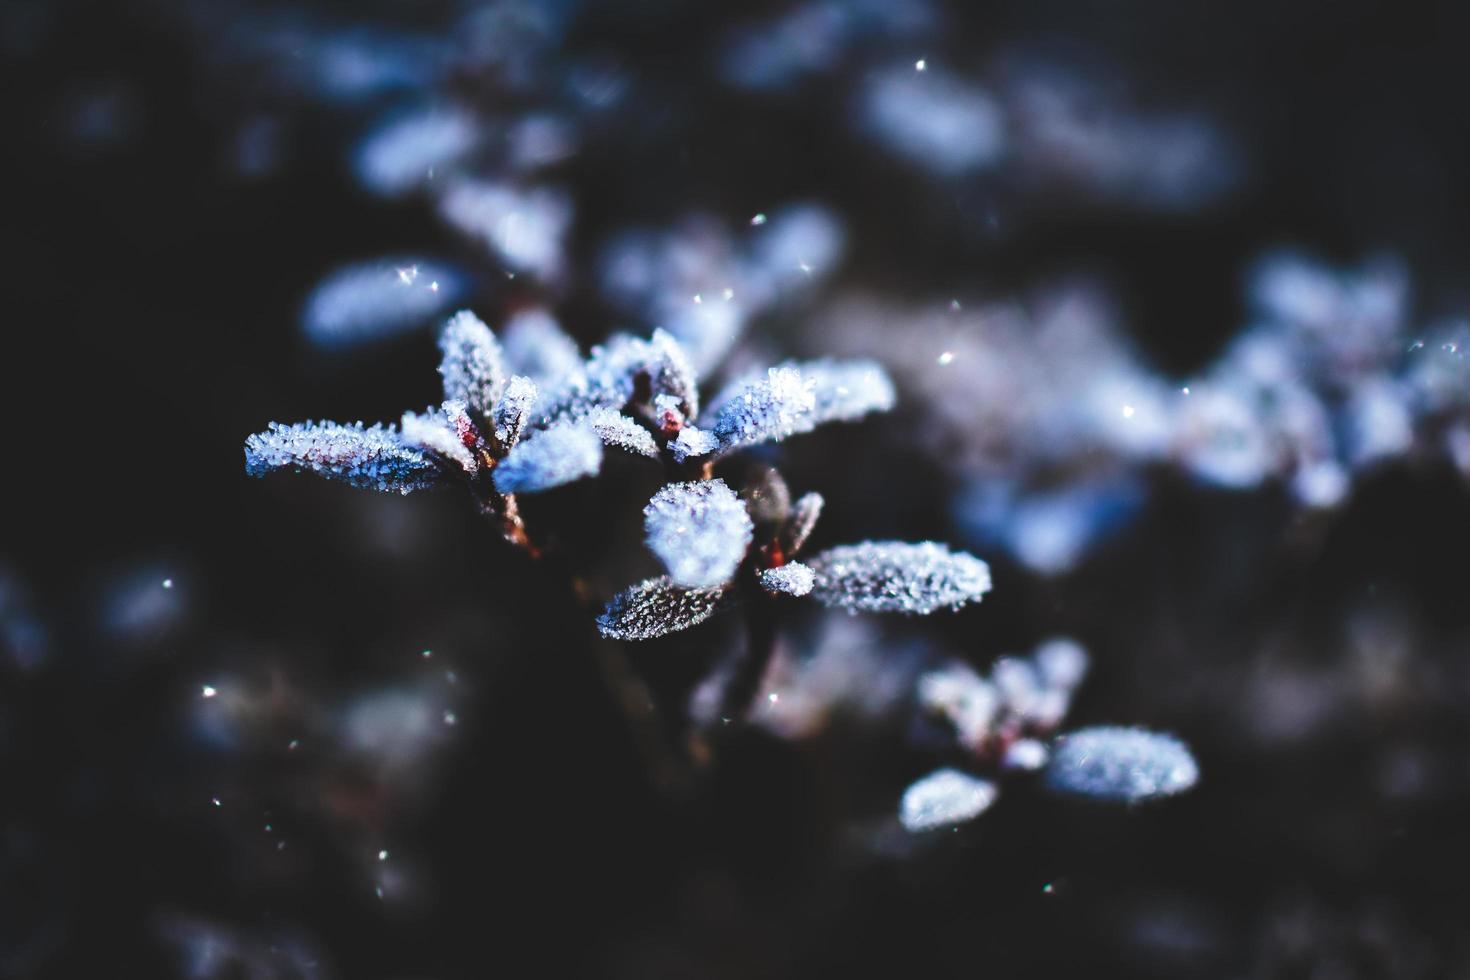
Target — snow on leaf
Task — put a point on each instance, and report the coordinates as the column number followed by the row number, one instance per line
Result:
column 1121, row 764
column 657, row 607
column 964, row 698
column 895, row 576
column 611, row 376
column 402, row 154
column 435, row 430
column 691, row 443
column 472, row 366
column 526, row 229
column 801, row 523
column 845, row 391
column 549, row 459
column 369, row 458
column 767, row 410
column 513, row 410
column 793, row 578
column 699, row 530
column 616, row 429
column 944, row 798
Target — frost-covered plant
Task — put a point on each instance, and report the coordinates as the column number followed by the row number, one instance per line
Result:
column 1007, row 723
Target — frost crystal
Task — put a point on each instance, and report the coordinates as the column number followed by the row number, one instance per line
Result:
column 699, row 530
column 793, row 578
column 513, row 410
column 845, row 391
column 692, row 443
column 803, row 520
column 473, row 367
column 894, row 576
column 559, row 455
column 612, row 374
column 616, row 429
column 374, row 299
column 655, row 608
column 1124, row 764
column 369, row 458
column 437, row 431
column 944, row 798
column 768, row 410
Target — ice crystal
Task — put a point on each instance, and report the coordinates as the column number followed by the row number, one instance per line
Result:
column 473, row 366
column 438, row 430
column 549, row 459
column 513, row 411
column 657, row 607
column 374, row 299
column 944, row 798
column 793, row 579
column 616, row 429
column 1124, row 764
column 767, row 410
column 691, row 443
column 699, row 530
column 894, row 576
column 612, row 374
column 371, row 458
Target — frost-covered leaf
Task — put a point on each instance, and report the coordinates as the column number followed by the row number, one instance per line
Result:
column 895, row 576
column 699, row 530
column 525, row 228
column 535, row 345
column 403, row 153
column 803, row 520
column 513, row 411
column 944, row 798
column 1122, row 764
column 374, row 299
column 1025, row 755
column 372, row 458
column 965, row 699
column 610, row 378
column 766, row 410
column 472, row 366
column 616, row 429
column 793, row 578
column 1061, row 662
column 549, row 459
column 845, row 391
column 443, row 431
column 657, row 607
column 691, row 443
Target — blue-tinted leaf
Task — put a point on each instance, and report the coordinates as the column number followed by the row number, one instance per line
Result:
column 894, row 576
column 1123, row 764
column 472, row 366
column 699, row 530
column 370, row 458
column 549, row 459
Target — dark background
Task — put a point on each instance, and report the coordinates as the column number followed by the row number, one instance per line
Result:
column 151, row 319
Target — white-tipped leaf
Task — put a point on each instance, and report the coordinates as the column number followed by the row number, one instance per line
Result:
column 898, row 577
column 765, row 410
column 436, row 430
column 513, row 411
